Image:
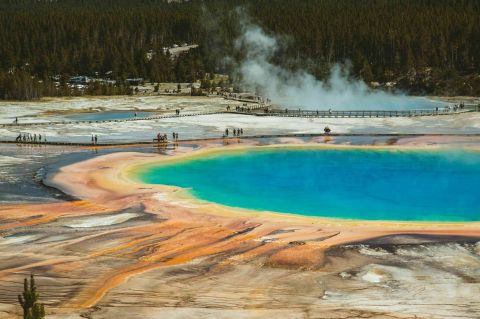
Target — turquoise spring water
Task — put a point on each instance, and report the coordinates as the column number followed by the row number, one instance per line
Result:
column 423, row 185
column 108, row 116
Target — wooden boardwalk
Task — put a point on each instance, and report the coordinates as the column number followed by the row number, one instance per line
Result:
column 363, row 113
column 233, row 138
column 272, row 113
column 149, row 118
column 241, row 98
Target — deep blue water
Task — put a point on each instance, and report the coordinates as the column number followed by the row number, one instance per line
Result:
column 427, row 185
column 105, row 116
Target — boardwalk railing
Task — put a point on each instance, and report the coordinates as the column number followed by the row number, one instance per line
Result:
column 170, row 142
column 362, row 113
column 165, row 116
column 277, row 113
column 257, row 101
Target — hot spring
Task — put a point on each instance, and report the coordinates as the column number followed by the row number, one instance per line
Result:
column 366, row 184
column 109, row 115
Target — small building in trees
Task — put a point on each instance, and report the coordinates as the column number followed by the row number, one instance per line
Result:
column 134, row 81
column 79, row 80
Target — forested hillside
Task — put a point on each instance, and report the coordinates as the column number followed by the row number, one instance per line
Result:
column 425, row 46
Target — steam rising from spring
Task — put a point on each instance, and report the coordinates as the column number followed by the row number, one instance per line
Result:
column 296, row 89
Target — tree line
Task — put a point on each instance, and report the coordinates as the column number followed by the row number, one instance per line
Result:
column 425, row 45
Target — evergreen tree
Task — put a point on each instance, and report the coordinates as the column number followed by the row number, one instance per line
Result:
column 32, row 308
column 383, row 39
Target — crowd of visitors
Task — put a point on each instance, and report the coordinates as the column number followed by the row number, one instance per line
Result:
column 452, row 108
column 163, row 138
column 31, row 138
column 235, row 131
column 245, row 108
